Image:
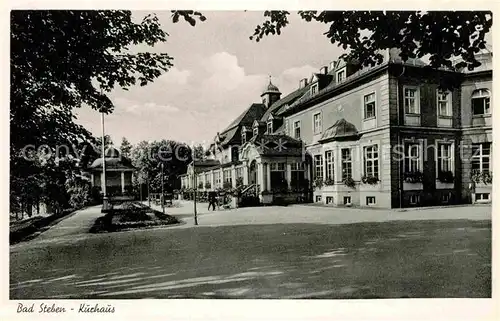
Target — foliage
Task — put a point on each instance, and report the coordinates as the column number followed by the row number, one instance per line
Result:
column 125, row 148
column 280, row 187
column 329, row 182
column 148, row 157
column 61, row 60
column 484, row 177
column 227, row 185
column 369, row 179
column 239, row 181
column 446, row 177
column 79, row 191
column 208, row 185
column 349, row 182
column 318, row 183
column 442, row 35
column 412, row 177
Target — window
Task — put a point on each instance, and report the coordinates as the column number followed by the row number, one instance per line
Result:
column 226, row 174
column 317, row 123
column 296, row 129
column 278, row 175
column 445, row 157
column 445, row 198
column 371, row 161
column 411, row 100
column 207, row 178
column 444, row 103
column 482, row 197
column 346, row 163
column 314, row 89
column 217, row 179
column 480, row 159
column 269, row 126
column 318, row 167
column 256, row 131
column 329, row 165
column 480, row 102
column 414, row 199
column 239, row 172
column 340, row 76
column 369, row 106
column 347, row 200
column 329, row 199
column 298, row 175
column 412, row 157
column 370, row 200
column 318, row 198
column 243, row 137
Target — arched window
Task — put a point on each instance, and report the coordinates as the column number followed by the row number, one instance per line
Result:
column 480, row 101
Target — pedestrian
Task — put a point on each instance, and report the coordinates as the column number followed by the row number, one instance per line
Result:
column 212, row 199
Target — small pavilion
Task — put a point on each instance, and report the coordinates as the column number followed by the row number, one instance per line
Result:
column 119, row 171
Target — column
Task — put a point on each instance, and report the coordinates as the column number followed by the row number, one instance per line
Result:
column 260, row 176
column 289, row 175
column 233, row 176
column 123, row 182
column 102, row 182
column 268, row 176
column 245, row 174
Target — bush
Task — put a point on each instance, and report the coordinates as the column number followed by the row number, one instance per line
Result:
column 372, row 180
column 413, row 177
column 349, row 182
column 446, row 177
column 329, row 182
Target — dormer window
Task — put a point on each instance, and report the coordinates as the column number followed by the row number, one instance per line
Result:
column 270, row 126
column 314, row 89
column 243, row 137
column 256, row 131
column 341, row 74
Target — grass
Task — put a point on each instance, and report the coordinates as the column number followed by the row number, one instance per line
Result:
column 30, row 228
column 400, row 259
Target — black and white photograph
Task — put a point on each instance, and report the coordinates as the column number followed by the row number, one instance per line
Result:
column 244, row 154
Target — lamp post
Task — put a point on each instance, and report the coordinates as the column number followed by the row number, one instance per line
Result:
column 195, row 188
column 105, row 203
column 162, row 191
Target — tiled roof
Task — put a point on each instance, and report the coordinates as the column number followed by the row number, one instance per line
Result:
column 112, row 163
column 288, row 99
column 277, row 145
column 229, row 135
column 255, row 111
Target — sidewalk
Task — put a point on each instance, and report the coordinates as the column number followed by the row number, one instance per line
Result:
column 78, row 223
column 407, row 209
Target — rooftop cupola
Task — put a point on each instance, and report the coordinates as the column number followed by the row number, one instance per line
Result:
column 271, row 94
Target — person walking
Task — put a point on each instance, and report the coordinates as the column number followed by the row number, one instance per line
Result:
column 212, row 199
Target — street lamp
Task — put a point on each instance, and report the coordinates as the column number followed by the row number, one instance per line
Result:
column 162, row 191
column 105, row 201
column 195, row 188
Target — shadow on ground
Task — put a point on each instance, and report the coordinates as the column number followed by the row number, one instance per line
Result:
column 400, row 259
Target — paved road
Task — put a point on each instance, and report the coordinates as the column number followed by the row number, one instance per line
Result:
column 318, row 215
column 294, row 252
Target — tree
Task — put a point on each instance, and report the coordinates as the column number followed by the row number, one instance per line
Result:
column 442, row 35
column 61, row 60
column 125, row 148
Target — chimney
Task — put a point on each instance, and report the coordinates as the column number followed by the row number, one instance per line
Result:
column 303, row 83
column 324, row 70
column 332, row 65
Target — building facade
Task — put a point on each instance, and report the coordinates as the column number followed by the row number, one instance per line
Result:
column 398, row 134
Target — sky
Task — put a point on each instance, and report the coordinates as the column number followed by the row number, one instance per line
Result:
column 218, row 72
